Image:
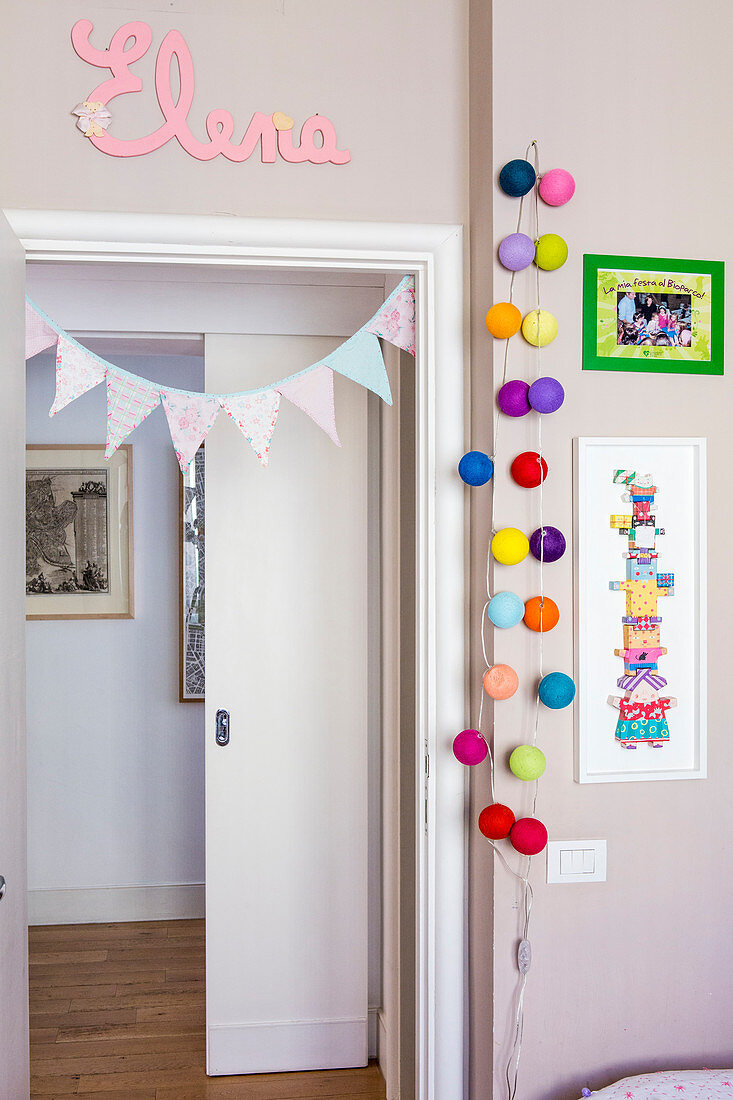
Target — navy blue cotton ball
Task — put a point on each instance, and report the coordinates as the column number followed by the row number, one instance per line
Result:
column 556, row 690
column 476, row 468
column 517, row 177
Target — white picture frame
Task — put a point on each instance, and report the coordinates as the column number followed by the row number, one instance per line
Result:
column 678, row 466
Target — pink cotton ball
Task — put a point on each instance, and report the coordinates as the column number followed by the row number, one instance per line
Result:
column 469, row 747
column 557, row 187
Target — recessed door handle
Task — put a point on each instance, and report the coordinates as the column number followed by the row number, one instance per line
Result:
column 222, row 727
column 2, row 887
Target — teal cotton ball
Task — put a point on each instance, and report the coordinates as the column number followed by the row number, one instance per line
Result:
column 516, row 178
column 505, row 610
column 556, row 690
column 475, row 468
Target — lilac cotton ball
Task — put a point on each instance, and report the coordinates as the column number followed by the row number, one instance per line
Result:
column 512, row 398
column 546, row 395
column 516, row 251
column 551, row 547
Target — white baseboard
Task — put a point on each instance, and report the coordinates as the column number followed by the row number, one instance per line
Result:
column 287, row 1046
column 107, row 904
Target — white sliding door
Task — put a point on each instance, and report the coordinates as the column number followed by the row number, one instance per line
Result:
column 286, row 656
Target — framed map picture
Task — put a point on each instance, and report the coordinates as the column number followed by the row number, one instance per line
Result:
column 652, row 315
column 78, row 533
column 192, row 527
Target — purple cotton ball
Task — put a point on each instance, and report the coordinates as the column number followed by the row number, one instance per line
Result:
column 516, row 251
column 546, row 395
column 554, row 544
column 512, row 398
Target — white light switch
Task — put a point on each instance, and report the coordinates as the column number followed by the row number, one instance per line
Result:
column 576, row 861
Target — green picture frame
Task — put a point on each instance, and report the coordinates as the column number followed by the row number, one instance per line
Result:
column 680, row 331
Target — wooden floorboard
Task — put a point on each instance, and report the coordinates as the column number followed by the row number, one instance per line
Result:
column 117, row 1013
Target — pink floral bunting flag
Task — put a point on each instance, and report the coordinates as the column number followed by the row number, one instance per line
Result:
column 38, row 334
column 129, row 400
column 77, row 371
column 313, row 393
column 255, row 414
column 395, row 320
column 190, row 419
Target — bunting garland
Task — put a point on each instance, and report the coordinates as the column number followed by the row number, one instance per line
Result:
column 190, row 415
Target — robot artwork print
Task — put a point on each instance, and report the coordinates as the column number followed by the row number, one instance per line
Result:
column 640, row 655
column 643, row 706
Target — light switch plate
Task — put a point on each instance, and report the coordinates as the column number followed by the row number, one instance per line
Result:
column 576, row 861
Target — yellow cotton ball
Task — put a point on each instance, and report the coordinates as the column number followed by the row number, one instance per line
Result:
column 510, row 546
column 542, row 334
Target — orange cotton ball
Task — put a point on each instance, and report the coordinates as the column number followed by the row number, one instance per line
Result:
column 500, row 682
column 541, row 613
column 503, row 320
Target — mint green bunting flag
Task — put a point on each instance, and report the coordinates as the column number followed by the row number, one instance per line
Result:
column 361, row 360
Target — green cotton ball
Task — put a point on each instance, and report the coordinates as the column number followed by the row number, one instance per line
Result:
column 551, row 252
column 527, row 762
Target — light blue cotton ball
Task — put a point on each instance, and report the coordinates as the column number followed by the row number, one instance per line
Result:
column 505, row 609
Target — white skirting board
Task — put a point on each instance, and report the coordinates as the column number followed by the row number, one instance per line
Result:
column 107, row 904
column 287, row 1046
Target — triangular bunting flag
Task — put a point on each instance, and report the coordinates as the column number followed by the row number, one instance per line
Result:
column 395, row 320
column 38, row 333
column 255, row 414
column 129, row 400
column 360, row 359
column 190, row 418
column 313, row 393
column 77, row 371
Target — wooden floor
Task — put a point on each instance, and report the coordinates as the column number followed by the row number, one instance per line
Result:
column 117, row 1012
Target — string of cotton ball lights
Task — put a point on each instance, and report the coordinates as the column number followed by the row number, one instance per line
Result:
column 509, row 546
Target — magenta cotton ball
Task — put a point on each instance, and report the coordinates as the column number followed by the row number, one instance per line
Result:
column 557, row 187
column 528, row 836
column 516, row 251
column 546, row 395
column 469, row 747
column 512, row 398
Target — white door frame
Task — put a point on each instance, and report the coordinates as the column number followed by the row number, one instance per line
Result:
column 434, row 253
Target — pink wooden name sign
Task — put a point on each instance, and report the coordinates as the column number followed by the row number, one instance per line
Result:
column 128, row 45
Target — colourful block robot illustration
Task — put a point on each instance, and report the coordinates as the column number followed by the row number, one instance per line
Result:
column 642, row 708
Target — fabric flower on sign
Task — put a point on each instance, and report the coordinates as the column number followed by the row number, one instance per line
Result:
column 93, row 118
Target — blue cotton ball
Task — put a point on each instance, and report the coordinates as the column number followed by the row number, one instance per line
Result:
column 516, row 251
column 475, row 468
column 505, row 609
column 556, row 690
column 517, row 177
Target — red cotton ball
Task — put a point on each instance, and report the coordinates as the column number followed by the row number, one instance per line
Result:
column 528, row 836
column 495, row 821
column 528, row 469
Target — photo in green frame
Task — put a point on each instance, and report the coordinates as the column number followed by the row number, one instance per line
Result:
column 653, row 315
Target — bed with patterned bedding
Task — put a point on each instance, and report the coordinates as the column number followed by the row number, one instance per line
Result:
column 674, row 1084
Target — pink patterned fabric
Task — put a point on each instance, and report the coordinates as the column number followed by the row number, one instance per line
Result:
column 77, row 371
column 129, row 400
column 38, row 334
column 674, row 1084
column 313, row 393
column 395, row 321
column 190, row 419
column 255, row 414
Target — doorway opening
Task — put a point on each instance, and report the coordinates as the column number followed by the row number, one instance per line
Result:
column 117, row 757
column 433, row 253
